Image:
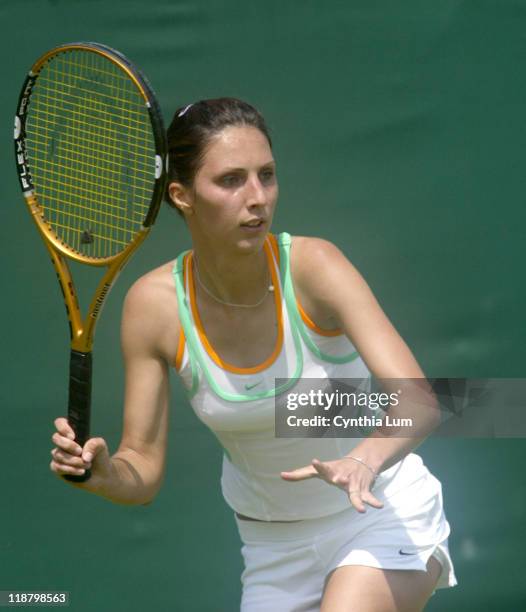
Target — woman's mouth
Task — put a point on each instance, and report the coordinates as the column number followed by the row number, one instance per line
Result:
column 253, row 225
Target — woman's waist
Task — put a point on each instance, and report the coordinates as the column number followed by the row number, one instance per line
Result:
column 273, row 500
column 242, row 517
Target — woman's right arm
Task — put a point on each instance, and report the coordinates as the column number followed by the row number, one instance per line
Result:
column 133, row 475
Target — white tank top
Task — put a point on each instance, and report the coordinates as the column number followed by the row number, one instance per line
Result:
column 238, row 404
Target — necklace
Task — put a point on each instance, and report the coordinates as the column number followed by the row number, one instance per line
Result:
column 269, row 289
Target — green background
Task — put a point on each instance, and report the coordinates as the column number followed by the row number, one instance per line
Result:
column 399, row 134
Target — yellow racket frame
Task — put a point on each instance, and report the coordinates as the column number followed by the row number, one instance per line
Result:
column 82, row 329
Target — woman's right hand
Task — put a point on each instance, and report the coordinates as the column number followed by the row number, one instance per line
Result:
column 69, row 458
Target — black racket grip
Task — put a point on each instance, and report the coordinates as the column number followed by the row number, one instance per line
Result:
column 79, row 402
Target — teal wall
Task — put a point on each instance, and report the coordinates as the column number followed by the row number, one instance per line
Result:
column 399, row 133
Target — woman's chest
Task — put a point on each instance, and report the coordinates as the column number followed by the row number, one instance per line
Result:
column 242, row 337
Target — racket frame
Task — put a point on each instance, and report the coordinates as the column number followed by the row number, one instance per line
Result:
column 82, row 329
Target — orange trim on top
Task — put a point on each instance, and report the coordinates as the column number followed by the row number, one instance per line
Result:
column 204, row 339
column 181, row 343
column 305, row 317
column 310, row 323
column 180, row 351
column 274, row 244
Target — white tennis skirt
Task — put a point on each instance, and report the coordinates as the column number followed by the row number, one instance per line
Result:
column 286, row 564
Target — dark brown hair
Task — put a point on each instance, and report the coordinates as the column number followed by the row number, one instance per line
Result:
column 194, row 126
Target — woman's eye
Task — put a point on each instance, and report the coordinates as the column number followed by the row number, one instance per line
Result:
column 230, row 180
column 267, row 176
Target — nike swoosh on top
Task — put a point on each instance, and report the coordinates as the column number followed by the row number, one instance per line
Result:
column 401, row 552
column 248, row 387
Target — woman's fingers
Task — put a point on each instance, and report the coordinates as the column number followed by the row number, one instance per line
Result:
column 65, row 463
column 66, row 444
column 324, row 470
column 355, row 482
column 96, row 450
column 67, row 454
column 359, row 498
column 355, row 497
column 300, row 474
column 370, row 499
column 64, row 428
column 62, row 468
column 61, row 457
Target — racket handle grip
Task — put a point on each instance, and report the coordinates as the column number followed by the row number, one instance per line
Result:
column 79, row 402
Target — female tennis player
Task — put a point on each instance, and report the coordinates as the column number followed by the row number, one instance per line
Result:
column 330, row 524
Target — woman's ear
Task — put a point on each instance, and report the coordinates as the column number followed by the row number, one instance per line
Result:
column 181, row 198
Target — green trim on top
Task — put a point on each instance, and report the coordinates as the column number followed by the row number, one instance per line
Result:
column 184, row 317
column 297, row 326
column 196, row 355
column 285, row 241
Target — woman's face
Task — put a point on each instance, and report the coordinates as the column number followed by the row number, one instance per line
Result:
column 235, row 190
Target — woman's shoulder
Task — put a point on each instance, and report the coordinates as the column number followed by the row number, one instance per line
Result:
column 318, row 269
column 153, row 288
column 150, row 312
column 313, row 254
column 312, row 245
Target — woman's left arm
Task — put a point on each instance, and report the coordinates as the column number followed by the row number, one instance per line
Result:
column 335, row 295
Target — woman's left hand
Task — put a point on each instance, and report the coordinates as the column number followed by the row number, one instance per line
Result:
column 345, row 473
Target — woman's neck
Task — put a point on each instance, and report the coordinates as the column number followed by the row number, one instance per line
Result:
column 231, row 278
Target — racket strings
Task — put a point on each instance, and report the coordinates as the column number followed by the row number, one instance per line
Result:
column 52, row 105
column 40, row 156
column 91, row 152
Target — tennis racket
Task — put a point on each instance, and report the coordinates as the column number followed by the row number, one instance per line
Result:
column 90, row 151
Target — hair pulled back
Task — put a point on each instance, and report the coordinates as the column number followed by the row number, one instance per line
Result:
column 194, row 126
